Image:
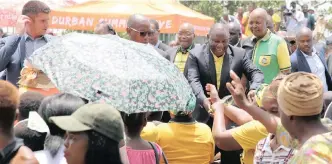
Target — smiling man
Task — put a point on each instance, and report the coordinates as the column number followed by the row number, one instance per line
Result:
column 270, row 52
column 210, row 64
column 30, row 28
column 179, row 54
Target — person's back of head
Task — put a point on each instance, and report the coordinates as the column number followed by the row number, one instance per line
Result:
column 9, row 101
column 32, row 139
column 134, row 123
column 62, row 104
column 29, row 101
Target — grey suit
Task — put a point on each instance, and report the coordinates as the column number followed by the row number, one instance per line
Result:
column 299, row 63
column 162, row 53
column 172, row 54
column 12, row 56
column 202, row 71
column 163, row 46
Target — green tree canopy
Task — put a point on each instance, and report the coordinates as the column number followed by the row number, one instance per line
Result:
column 215, row 8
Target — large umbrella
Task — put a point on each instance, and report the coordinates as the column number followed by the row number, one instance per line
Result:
column 133, row 77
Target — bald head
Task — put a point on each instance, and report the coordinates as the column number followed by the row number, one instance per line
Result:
column 138, row 27
column 259, row 12
column 304, row 31
column 304, row 40
column 187, row 27
column 137, row 19
column 234, row 26
column 219, row 28
column 258, row 22
column 234, row 33
column 186, row 35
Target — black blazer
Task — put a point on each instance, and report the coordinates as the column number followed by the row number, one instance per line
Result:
column 201, row 70
column 299, row 63
column 172, row 54
column 162, row 53
column 163, row 46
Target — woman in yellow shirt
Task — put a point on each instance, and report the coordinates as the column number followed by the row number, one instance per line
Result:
column 250, row 132
column 185, row 140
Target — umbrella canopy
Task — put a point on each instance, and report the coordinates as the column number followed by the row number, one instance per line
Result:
column 133, row 77
column 170, row 14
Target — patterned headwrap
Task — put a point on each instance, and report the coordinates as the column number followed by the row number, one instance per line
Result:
column 301, row 94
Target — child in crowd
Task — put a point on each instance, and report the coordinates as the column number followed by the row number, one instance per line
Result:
column 139, row 151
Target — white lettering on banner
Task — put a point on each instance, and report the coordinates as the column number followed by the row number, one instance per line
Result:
column 123, row 23
column 116, row 22
column 72, row 21
column 201, row 28
column 165, row 24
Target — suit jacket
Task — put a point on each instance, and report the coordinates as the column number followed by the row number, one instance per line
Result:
column 299, row 63
column 162, row 53
column 201, row 70
column 172, row 54
column 12, row 56
column 163, row 46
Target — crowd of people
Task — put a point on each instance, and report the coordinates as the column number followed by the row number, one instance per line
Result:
column 261, row 95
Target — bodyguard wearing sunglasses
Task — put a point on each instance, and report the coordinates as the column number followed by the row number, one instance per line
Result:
column 139, row 30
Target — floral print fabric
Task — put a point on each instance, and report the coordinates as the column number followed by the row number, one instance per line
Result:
column 133, row 77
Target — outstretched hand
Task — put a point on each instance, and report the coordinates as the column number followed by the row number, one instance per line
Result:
column 212, row 92
column 236, row 89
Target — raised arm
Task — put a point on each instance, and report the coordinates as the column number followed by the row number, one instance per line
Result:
column 237, row 91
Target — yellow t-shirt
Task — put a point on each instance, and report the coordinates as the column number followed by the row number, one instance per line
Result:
column 180, row 60
column 186, row 143
column 247, row 31
column 218, row 61
column 248, row 135
column 149, row 132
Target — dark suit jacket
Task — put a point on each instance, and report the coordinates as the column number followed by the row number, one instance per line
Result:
column 12, row 55
column 299, row 63
column 172, row 54
column 201, row 70
column 162, row 53
column 163, row 46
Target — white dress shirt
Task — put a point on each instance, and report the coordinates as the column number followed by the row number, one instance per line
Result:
column 316, row 66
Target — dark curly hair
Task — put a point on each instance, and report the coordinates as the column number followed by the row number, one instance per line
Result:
column 102, row 150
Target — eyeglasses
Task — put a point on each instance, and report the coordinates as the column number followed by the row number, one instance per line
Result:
column 143, row 33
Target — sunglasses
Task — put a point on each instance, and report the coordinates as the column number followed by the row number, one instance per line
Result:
column 292, row 42
column 143, row 33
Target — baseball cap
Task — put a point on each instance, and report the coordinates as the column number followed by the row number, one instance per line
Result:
column 102, row 118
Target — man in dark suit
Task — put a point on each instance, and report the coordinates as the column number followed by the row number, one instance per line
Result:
column 307, row 59
column 212, row 62
column 31, row 28
column 154, row 38
column 179, row 55
column 139, row 30
column 235, row 34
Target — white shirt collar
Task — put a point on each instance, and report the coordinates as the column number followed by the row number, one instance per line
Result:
column 314, row 52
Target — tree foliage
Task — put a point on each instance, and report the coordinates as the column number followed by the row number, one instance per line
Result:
column 215, row 9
